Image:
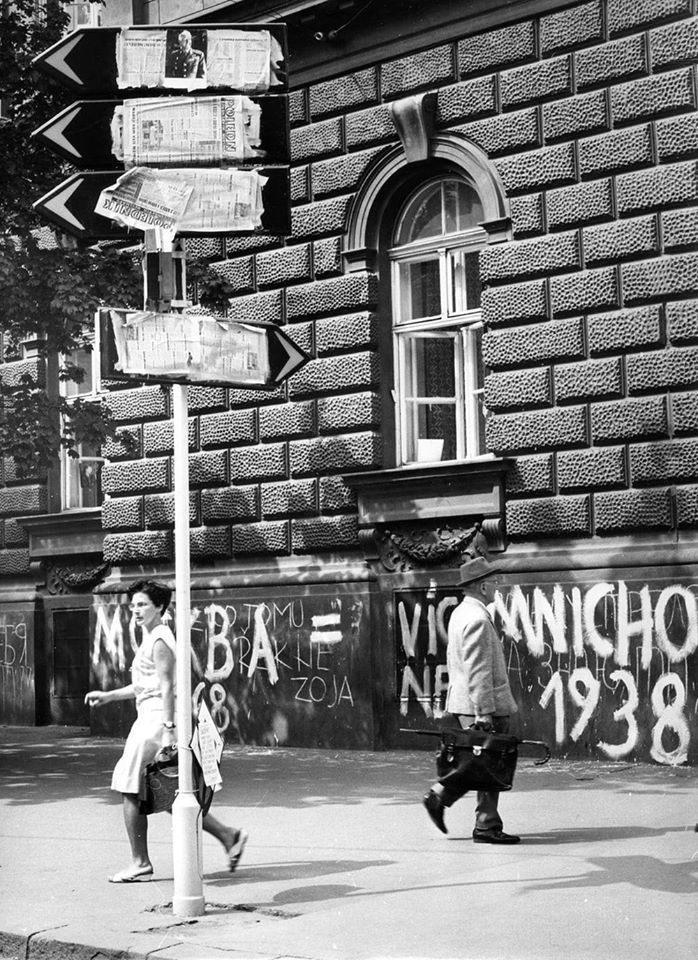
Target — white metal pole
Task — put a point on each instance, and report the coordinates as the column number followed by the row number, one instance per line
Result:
column 188, row 899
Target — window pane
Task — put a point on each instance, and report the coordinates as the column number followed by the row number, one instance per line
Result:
column 81, row 358
column 463, row 207
column 422, row 217
column 431, row 431
column 430, row 367
column 421, row 289
column 465, row 281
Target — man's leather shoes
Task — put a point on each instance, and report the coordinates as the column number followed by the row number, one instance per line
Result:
column 435, row 808
column 495, row 836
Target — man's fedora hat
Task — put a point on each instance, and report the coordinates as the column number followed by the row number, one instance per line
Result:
column 477, row 569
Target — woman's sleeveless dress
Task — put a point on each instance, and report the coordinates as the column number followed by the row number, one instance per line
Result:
column 145, row 736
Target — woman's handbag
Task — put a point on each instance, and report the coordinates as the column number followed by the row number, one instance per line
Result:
column 162, row 784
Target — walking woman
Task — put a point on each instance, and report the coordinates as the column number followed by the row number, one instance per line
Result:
column 153, row 689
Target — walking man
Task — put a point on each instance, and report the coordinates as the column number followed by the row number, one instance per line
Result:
column 478, row 692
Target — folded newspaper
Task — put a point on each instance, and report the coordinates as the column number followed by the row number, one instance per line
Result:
column 197, row 58
column 185, row 200
column 191, row 347
column 181, row 130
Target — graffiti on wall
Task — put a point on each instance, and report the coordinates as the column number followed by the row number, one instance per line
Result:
column 266, row 668
column 16, row 668
column 608, row 667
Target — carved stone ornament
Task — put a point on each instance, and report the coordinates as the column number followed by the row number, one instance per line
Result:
column 402, row 548
column 76, row 577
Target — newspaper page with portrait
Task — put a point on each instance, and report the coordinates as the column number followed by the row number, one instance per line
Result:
column 186, row 130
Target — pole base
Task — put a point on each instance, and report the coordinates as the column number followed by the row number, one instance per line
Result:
column 188, row 897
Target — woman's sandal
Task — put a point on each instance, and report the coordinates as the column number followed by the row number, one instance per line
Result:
column 132, row 875
column 234, row 851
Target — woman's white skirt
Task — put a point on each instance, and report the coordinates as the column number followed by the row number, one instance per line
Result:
column 142, row 744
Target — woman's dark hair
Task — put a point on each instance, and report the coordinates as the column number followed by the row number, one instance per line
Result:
column 159, row 593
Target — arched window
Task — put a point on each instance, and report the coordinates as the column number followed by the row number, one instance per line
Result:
column 435, row 288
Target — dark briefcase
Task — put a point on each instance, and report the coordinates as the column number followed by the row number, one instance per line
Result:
column 475, row 759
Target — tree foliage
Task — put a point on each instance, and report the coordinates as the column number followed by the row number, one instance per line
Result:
column 49, row 286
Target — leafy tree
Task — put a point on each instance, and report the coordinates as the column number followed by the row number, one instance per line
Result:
column 49, row 286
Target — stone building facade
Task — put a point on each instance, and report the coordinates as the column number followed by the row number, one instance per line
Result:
column 494, row 247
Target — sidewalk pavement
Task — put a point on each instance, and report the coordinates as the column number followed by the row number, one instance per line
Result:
column 343, row 863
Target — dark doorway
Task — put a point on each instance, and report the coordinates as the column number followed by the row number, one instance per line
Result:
column 70, row 641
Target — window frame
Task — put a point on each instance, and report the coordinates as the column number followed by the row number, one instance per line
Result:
column 70, row 478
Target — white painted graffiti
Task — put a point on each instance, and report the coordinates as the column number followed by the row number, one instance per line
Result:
column 16, row 671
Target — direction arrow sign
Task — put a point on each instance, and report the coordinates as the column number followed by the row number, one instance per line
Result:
column 82, row 132
column 86, row 59
column 71, row 206
column 144, row 346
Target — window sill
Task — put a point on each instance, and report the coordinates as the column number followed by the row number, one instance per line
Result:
column 424, row 491
column 69, row 533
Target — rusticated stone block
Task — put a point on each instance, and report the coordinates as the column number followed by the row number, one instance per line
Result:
column 621, row 240
column 519, row 388
column 13, row 372
column 300, row 185
column 427, row 68
column 684, row 412
column 119, row 447
column 230, row 503
column 276, row 268
column 289, row 498
column 547, row 254
column 549, row 517
column 205, row 248
column 589, row 380
column 122, row 513
column 335, row 495
column 537, row 430
column 316, row 140
column 548, row 167
column 534, row 82
column 660, row 187
column 159, row 510
column 629, row 420
column 592, row 469
column 10, row 474
column 247, row 244
column 120, row 548
column 23, row 500
column 680, row 228
column 571, row 28
column 210, row 541
column 618, row 150
column 344, row 93
column 265, row 306
column 332, row 374
column 349, row 412
column 687, row 506
column 14, row 534
column 505, row 134
column 237, row 273
column 267, row 461
column 516, row 301
column 588, row 290
column 327, row 257
column 287, row 420
column 462, row 101
column 143, row 403
column 158, row 437
column 527, row 214
column 632, row 510
column 298, row 107
column 682, row 321
column 318, row 219
column 497, row 48
column 14, row 563
column 331, row 455
column 653, row 96
column 370, row 126
column 354, row 291
column 208, row 469
column 554, row 340
column 674, row 44
column 135, row 476
column 626, row 15
column 676, row 367
column 575, row 116
column 201, row 398
column 667, row 276
column 324, row 533
column 533, row 474
column 625, row 330
column 581, row 203
column 605, row 64
column 341, row 174
column 228, row 429
column 268, row 537
column 251, row 398
column 666, row 461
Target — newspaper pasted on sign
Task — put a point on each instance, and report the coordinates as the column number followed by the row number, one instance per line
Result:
column 195, row 347
column 176, row 58
column 181, row 130
column 207, row 744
